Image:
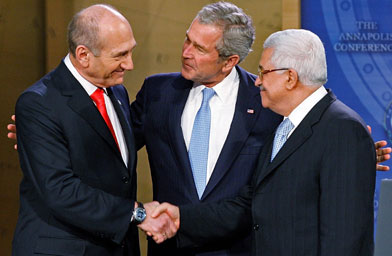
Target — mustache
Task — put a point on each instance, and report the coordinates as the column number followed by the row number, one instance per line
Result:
column 262, row 88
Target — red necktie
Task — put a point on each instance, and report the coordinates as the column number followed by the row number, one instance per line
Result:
column 99, row 100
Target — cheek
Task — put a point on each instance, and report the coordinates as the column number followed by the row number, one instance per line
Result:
column 264, row 97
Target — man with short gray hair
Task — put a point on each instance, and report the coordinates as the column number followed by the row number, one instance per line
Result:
column 197, row 157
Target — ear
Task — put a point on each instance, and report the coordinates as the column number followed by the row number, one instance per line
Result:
column 230, row 62
column 292, row 79
column 82, row 55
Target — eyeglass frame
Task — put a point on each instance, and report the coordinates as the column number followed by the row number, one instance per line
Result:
column 262, row 72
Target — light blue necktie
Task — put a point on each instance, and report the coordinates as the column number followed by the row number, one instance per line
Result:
column 198, row 146
column 281, row 136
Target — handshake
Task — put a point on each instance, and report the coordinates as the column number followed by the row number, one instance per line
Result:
column 162, row 221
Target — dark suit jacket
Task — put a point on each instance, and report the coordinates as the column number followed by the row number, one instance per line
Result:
column 77, row 195
column 156, row 116
column 314, row 198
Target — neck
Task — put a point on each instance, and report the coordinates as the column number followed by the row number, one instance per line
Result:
column 219, row 79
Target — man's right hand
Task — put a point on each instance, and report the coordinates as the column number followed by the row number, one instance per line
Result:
column 160, row 226
column 173, row 212
column 12, row 131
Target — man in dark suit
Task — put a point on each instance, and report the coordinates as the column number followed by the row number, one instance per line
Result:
column 218, row 39
column 163, row 117
column 76, row 147
column 312, row 192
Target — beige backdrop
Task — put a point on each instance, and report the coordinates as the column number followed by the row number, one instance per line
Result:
column 33, row 41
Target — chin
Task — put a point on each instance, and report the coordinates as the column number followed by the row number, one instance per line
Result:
column 113, row 83
column 264, row 103
column 118, row 81
column 186, row 74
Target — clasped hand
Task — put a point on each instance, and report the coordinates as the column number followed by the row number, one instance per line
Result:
column 162, row 221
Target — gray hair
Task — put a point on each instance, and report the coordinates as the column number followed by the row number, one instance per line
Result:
column 302, row 51
column 84, row 28
column 238, row 30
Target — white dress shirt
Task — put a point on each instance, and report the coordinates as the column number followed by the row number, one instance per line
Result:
column 90, row 89
column 299, row 113
column 222, row 106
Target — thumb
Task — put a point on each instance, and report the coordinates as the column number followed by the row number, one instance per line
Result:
column 160, row 209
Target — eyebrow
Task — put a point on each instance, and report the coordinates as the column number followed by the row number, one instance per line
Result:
column 124, row 52
column 120, row 53
column 194, row 43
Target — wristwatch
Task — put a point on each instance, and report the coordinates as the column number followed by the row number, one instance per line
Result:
column 138, row 214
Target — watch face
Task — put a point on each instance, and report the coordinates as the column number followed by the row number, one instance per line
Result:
column 140, row 214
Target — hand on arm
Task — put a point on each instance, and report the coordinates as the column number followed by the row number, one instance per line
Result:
column 383, row 153
column 12, row 131
column 158, row 223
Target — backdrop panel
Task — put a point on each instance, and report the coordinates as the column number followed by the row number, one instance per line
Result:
column 358, row 39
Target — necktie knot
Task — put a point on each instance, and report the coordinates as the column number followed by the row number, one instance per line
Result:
column 281, row 134
column 207, row 95
column 97, row 97
column 285, row 127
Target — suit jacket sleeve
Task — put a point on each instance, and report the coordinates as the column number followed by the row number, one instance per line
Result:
column 208, row 223
column 45, row 162
column 138, row 110
column 347, row 179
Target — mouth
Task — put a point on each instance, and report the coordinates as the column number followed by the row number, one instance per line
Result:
column 262, row 88
column 119, row 72
column 186, row 65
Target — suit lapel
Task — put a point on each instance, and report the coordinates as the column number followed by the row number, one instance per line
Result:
column 302, row 133
column 126, row 127
column 81, row 103
column 248, row 98
column 176, row 103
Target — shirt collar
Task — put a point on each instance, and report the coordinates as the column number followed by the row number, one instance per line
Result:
column 88, row 87
column 224, row 88
column 299, row 113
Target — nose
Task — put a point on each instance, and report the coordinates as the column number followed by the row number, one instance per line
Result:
column 187, row 50
column 127, row 64
column 258, row 82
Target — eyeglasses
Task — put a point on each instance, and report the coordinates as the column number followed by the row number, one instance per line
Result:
column 262, row 72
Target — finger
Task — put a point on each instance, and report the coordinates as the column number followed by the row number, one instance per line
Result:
column 163, row 238
column 369, row 128
column 154, row 203
column 380, row 144
column 382, row 168
column 159, row 210
column 13, row 117
column 11, row 135
column 172, row 231
column 383, row 158
column 151, row 206
column 169, row 226
column 155, row 238
column 11, row 128
column 384, row 151
column 158, row 238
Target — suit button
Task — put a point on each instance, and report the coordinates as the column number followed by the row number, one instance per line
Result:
column 125, row 180
column 256, row 227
